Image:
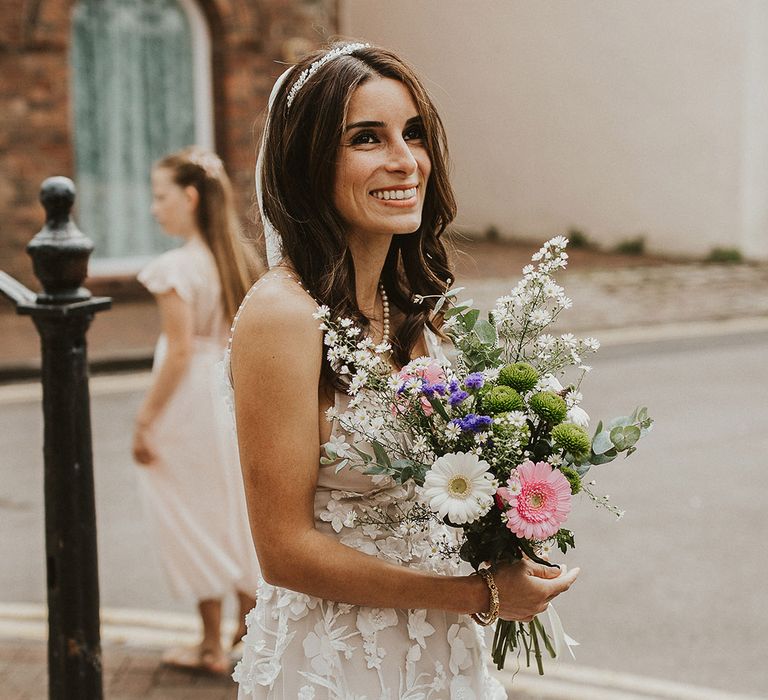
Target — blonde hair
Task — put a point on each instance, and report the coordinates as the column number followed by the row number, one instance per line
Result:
column 236, row 261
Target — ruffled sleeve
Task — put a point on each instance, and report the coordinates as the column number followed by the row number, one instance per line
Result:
column 165, row 273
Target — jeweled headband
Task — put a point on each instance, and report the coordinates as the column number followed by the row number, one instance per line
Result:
column 307, row 73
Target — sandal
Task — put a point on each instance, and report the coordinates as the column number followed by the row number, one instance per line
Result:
column 197, row 659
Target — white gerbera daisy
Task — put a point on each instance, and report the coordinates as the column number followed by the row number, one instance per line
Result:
column 460, row 486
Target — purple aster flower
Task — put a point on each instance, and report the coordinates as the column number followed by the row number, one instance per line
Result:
column 453, row 385
column 457, row 397
column 473, row 422
column 481, row 423
column 474, row 380
column 429, row 390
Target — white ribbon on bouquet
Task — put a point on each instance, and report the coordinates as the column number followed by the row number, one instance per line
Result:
column 561, row 641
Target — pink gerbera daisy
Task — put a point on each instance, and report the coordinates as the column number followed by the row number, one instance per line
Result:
column 539, row 499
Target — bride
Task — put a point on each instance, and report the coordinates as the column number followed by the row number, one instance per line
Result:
column 354, row 178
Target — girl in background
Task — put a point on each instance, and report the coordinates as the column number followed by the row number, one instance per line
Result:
column 183, row 436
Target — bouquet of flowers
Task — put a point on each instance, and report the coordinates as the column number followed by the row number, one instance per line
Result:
column 496, row 441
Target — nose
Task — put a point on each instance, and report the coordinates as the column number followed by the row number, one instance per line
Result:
column 401, row 159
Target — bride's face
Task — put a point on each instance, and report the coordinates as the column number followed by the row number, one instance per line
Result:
column 383, row 166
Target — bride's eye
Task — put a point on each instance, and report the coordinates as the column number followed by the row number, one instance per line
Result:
column 363, row 138
column 414, row 133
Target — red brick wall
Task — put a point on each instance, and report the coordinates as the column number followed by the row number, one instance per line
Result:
column 248, row 37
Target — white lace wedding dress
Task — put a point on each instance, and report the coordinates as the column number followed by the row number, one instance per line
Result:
column 301, row 647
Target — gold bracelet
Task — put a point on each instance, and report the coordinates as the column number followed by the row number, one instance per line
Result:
column 492, row 615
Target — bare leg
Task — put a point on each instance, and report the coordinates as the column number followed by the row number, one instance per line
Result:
column 245, row 602
column 211, row 652
column 208, row 655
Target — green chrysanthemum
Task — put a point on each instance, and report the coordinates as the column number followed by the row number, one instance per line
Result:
column 520, row 376
column 502, row 399
column 572, row 438
column 549, row 407
column 573, row 479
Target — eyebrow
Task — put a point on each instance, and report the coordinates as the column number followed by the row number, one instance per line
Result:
column 377, row 125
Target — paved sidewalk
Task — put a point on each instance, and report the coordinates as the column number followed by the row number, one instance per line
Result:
column 640, row 296
column 135, row 673
column 129, row 673
column 609, row 291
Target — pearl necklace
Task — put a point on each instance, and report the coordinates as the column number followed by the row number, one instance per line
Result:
column 385, row 313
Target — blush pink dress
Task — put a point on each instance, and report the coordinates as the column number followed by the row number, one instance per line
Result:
column 194, row 493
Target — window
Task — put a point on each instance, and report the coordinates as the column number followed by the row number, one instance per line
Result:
column 141, row 88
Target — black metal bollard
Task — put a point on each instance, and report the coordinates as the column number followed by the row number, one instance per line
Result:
column 62, row 314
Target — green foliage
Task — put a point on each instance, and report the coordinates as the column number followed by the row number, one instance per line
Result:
column 475, row 338
column 488, row 539
column 632, row 246
column 619, row 435
column 502, row 399
column 519, row 375
column 401, row 470
column 572, row 439
column 729, row 256
column 564, row 539
column 548, row 406
column 573, row 479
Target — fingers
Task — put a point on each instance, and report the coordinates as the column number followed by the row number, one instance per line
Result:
column 564, row 582
column 541, row 571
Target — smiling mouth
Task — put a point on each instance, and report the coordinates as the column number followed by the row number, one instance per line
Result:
column 396, row 194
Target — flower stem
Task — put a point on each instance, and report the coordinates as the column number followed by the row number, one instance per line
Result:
column 537, row 650
column 544, row 637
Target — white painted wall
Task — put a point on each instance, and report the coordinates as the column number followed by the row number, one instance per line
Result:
column 619, row 117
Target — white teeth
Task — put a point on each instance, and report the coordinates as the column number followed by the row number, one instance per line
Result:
column 395, row 194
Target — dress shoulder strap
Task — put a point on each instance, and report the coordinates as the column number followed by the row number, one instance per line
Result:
column 254, row 287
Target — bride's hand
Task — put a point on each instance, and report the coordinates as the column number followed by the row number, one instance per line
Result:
column 525, row 588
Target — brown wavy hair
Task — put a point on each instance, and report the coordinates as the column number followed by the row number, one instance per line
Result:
column 300, row 155
column 236, row 263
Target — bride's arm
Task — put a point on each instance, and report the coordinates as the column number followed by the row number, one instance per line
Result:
column 276, row 361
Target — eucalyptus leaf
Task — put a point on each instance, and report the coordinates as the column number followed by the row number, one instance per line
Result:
column 382, row 458
column 469, row 319
column 582, row 469
column 341, row 465
column 363, row 455
column 596, row 459
column 623, row 437
column 601, row 443
column 618, row 422
column 455, row 311
column 376, row 469
column 486, row 332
